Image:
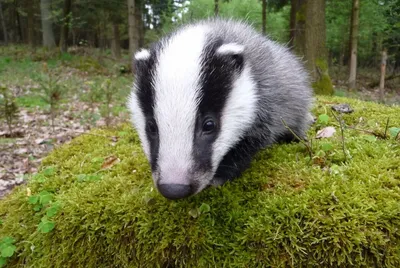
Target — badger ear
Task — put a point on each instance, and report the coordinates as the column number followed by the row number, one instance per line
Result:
column 233, row 52
column 141, row 55
column 140, row 60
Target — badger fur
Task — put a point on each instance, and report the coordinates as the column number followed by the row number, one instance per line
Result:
column 208, row 97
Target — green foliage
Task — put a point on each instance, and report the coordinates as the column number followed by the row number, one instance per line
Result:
column 7, row 249
column 8, row 108
column 377, row 25
column 51, row 89
column 108, row 91
column 283, row 211
column 248, row 10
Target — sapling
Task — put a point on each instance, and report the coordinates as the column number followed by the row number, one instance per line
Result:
column 8, row 108
column 107, row 90
column 51, row 91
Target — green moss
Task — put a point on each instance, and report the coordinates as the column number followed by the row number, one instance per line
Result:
column 323, row 85
column 284, row 211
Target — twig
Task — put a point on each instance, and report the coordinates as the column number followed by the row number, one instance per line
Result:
column 363, row 130
column 88, row 133
column 301, row 140
column 386, row 128
column 342, row 134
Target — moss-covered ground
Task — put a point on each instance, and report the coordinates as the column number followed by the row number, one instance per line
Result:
column 289, row 209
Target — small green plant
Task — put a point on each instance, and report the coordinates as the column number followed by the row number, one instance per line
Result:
column 7, row 249
column 51, row 90
column 8, row 108
column 108, row 91
column 44, row 200
column 93, row 93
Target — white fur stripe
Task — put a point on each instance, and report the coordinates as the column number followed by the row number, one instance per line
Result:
column 237, row 116
column 176, row 100
column 138, row 119
column 231, row 48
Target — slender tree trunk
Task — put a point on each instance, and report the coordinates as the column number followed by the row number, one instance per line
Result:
column 383, row 72
column 353, row 44
column 65, row 26
column 310, row 42
column 47, row 29
column 139, row 25
column 264, row 16
column 115, row 42
column 132, row 30
column 3, row 25
column 216, row 7
column 30, row 21
column 19, row 24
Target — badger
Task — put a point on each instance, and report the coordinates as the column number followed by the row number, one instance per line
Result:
column 208, row 96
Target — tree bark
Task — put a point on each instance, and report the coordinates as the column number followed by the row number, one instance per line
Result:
column 115, row 43
column 132, row 30
column 264, row 16
column 139, row 25
column 47, row 29
column 353, row 44
column 216, row 7
column 382, row 81
column 18, row 23
column 65, row 26
column 309, row 41
column 3, row 24
column 30, row 21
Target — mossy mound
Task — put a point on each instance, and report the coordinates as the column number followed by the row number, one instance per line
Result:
column 286, row 210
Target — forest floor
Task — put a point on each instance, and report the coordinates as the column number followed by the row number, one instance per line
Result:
column 92, row 91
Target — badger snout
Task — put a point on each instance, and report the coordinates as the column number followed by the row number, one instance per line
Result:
column 175, row 191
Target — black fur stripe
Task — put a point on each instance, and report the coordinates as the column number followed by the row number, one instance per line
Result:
column 217, row 76
column 146, row 95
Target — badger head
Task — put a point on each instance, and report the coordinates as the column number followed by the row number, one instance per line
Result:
column 193, row 100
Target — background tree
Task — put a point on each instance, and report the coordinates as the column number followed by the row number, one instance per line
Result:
column 353, row 43
column 133, row 43
column 65, row 21
column 30, row 8
column 264, row 16
column 309, row 40
column 3, row 25
column 47, row 28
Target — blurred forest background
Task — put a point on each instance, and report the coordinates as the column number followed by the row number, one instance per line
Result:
column 65, row 64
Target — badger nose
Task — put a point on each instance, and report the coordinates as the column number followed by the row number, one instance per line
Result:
column 175, row 191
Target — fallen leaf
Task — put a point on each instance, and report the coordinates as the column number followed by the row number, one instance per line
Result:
column 110, row 161
column 326, row 132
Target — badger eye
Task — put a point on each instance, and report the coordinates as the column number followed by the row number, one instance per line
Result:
column 151, row 127
column 208, row 125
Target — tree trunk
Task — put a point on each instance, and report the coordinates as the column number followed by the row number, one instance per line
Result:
column 139, row 26
column 132, row 30
column 382, row 81
column 115, row 42
column 65, row 26
column 353, row 44
column 3, row 25
column 47, row 30
column 30, row 21
column 309, row 42
column 264, row 16
column 216, row 7
column 292, row 23
column 18, row 23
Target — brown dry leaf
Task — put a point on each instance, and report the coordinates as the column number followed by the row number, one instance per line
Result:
column 110, row 161
column 326, row 132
